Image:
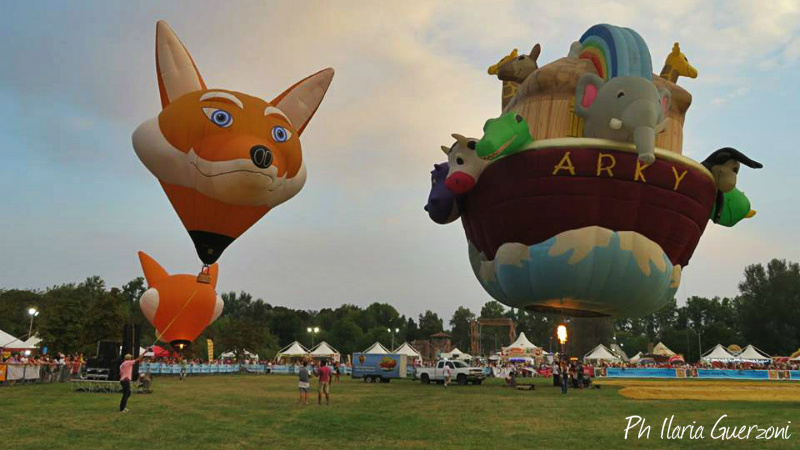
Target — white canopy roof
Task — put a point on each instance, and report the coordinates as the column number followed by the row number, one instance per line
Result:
column 521, row 342
column 233, row 355
column 617, row 350
column 7, row 340
column 295, row 349
column 408, row 350
column 376, row 349
column 718, row 353
column 32, row 342
column 753, row 354
column 601, row 353
column 324, row 350
column 455, row 354
column 662, row 350
column 635, row 358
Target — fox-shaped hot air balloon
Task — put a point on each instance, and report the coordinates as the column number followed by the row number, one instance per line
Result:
column 178, row 306
column 224, row 158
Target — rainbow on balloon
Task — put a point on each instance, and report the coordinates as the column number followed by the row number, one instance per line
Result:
column 616, row 51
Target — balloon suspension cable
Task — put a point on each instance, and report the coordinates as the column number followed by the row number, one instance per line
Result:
column 160, row 335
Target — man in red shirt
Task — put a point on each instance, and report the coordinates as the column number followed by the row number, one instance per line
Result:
column 125, row 374
column 324, row 373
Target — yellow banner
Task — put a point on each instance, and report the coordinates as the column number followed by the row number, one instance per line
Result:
column 210, row 345
column 3, row 368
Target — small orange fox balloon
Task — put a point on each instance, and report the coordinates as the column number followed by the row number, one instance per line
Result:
column 178, row 306
column 224, row 158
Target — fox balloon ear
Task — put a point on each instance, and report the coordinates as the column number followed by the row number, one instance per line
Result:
column 213, row 272
column 177, row 74
column 301, row 101
column 153, row 272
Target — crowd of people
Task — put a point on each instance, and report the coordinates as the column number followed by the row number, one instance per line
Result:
column 51, row 369
column 730, row 365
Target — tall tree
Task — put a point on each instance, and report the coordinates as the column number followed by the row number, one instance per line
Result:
column 459, row 327
column 769, row 306
column 430, row 323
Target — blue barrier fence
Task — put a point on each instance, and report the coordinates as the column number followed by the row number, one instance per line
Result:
column 210, row 369
column 706, row 374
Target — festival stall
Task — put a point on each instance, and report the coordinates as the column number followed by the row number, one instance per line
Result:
column 293, row 351
column 376, row 349
column 677, row 360
column 9, row 343
column 601, row 353
column 324, row 351
column 636, row 358
column 248, row 355
column 617, row 350
column 753, row 355
column 717, row 354
column 521, row 348
column 662, row 350
column 411, row 353
column 455, row 354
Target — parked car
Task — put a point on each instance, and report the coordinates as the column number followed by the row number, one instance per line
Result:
column 460, row 373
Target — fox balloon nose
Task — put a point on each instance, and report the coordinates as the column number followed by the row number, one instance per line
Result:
column 460, row 183
column 261, row 156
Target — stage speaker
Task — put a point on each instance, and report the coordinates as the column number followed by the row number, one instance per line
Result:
column 108, row 351
column 131, row 337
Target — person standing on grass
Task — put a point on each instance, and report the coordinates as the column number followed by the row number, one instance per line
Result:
column 303, row 383
column 125, row 375
column 183, row 369
column 564, row 377
column 446, row 374
column 324, row 383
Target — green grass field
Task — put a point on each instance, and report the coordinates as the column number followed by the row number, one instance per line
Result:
column 250, row 411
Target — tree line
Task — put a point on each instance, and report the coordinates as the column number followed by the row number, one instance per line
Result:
column 75, row 316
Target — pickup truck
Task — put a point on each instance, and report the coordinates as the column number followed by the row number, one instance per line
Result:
column 460, row 373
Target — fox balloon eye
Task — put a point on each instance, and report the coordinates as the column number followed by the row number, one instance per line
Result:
column 280, row 134
column 220, row 117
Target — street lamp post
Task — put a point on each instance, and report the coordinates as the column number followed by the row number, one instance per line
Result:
column 396, row 330
column 313, row 332
column 33, row 313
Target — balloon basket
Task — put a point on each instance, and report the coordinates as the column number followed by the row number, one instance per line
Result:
column 204, row 276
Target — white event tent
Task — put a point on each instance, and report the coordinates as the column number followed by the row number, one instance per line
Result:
column 718, row 353
column 635, row 358
column 523, row 344
column 750, row 353
column 233, row 355
column 409, row 351
column 455, row 354
column 9, row 341
column 601, row 353
column 293, row 350
column 324, row 350
column 376, row 349
column 662, row 350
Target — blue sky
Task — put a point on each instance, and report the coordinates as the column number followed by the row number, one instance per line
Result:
column 79, row 77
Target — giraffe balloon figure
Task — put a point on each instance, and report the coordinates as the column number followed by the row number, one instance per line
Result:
column 677, row 65
column 512, row 70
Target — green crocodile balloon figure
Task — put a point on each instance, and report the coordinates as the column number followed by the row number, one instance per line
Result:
column 503, row 136
column 735, row 207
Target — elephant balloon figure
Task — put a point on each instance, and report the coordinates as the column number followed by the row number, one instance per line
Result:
column 622, row 103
